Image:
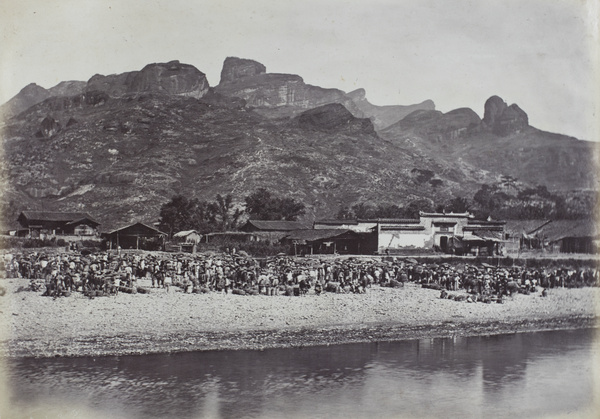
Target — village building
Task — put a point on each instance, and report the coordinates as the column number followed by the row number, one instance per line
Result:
column 270, row 230
column 518, row 235
column 552, row 236
column 568, row 236
column 188, row 236
column 136, row 236
column 449, row 232
column 46, row 224
column 329, row 241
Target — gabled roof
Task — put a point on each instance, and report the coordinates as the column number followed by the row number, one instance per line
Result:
column 82, row 220
column 269, row 225
column 337, row 222
column 392, row 220
column 185, row 233
column 560, row 229
column 55, row 216
column 312, row 235
column 445, row 215
column 524, row 226
column 140, row 227
column 492, row 227
column 489, row 235
column 370, row 220
column 486, row 222
column 410, row 227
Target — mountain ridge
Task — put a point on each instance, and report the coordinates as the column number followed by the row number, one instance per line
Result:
column 125, row 144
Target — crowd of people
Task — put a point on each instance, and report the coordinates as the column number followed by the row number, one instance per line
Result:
column 106, row 273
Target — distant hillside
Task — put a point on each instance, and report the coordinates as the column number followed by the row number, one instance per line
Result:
column 124, row 144
column 384, row 116
column 32, row 94
column 123, row 158
column 502, row 143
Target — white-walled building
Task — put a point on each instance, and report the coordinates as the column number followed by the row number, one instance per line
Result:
column 444, row 231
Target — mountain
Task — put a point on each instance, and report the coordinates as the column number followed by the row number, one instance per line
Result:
column 172, row 78
column 502, row 143
column 125, row 157
column 33, row 94
column 286, row 95
column 125, row 144
column 272, row 94
column 384, row 116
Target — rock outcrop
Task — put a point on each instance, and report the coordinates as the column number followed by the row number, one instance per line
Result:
column 502, row 119
column 32, row 94
column 235, row 69
column 282, row 94
column 172, row 78
column 49, row 127
column 384, row 116
column 68, row 88
column 334, row 117
column 115, row 85
column 437, row 126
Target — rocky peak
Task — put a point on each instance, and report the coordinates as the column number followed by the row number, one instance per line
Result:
column 33, row 90
column 384, row 116
column 334, row 117
column 502, row 119
column 357, row 95
column 28, row 96
column 172, row 78
column 68, row 88
column 238, row 68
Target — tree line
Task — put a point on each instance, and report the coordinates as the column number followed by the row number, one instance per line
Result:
column 506, row 200
column 182, row 213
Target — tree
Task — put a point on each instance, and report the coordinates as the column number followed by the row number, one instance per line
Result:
column 413, row 209
column 263, row 205
column 389, row 211
column 508, row 182
column 345, row 213
column 486, row 197
column 363, row 211
column 181, row 213
column 290, row 209
column 176, row 215
column 458, row 204
column 222, row 208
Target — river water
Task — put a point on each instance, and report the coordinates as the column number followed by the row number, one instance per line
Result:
column 520, row 375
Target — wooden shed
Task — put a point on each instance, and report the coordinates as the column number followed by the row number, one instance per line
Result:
column 137, row 236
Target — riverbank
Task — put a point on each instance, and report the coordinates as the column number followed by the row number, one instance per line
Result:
column 161, row 321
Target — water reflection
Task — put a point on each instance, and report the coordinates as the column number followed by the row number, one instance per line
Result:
column 535, row 373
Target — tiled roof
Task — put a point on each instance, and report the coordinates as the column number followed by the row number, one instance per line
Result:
column 269, row 225
column 524, row 226
column 559, row 229
column 56, row 216
column 311, row 235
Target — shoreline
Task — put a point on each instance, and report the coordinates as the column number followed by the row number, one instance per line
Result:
column 172, row 322
column 107, row 346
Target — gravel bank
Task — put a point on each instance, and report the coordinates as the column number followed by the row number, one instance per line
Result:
column 161, row 321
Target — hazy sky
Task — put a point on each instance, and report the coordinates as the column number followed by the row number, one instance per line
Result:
column 541, row 54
